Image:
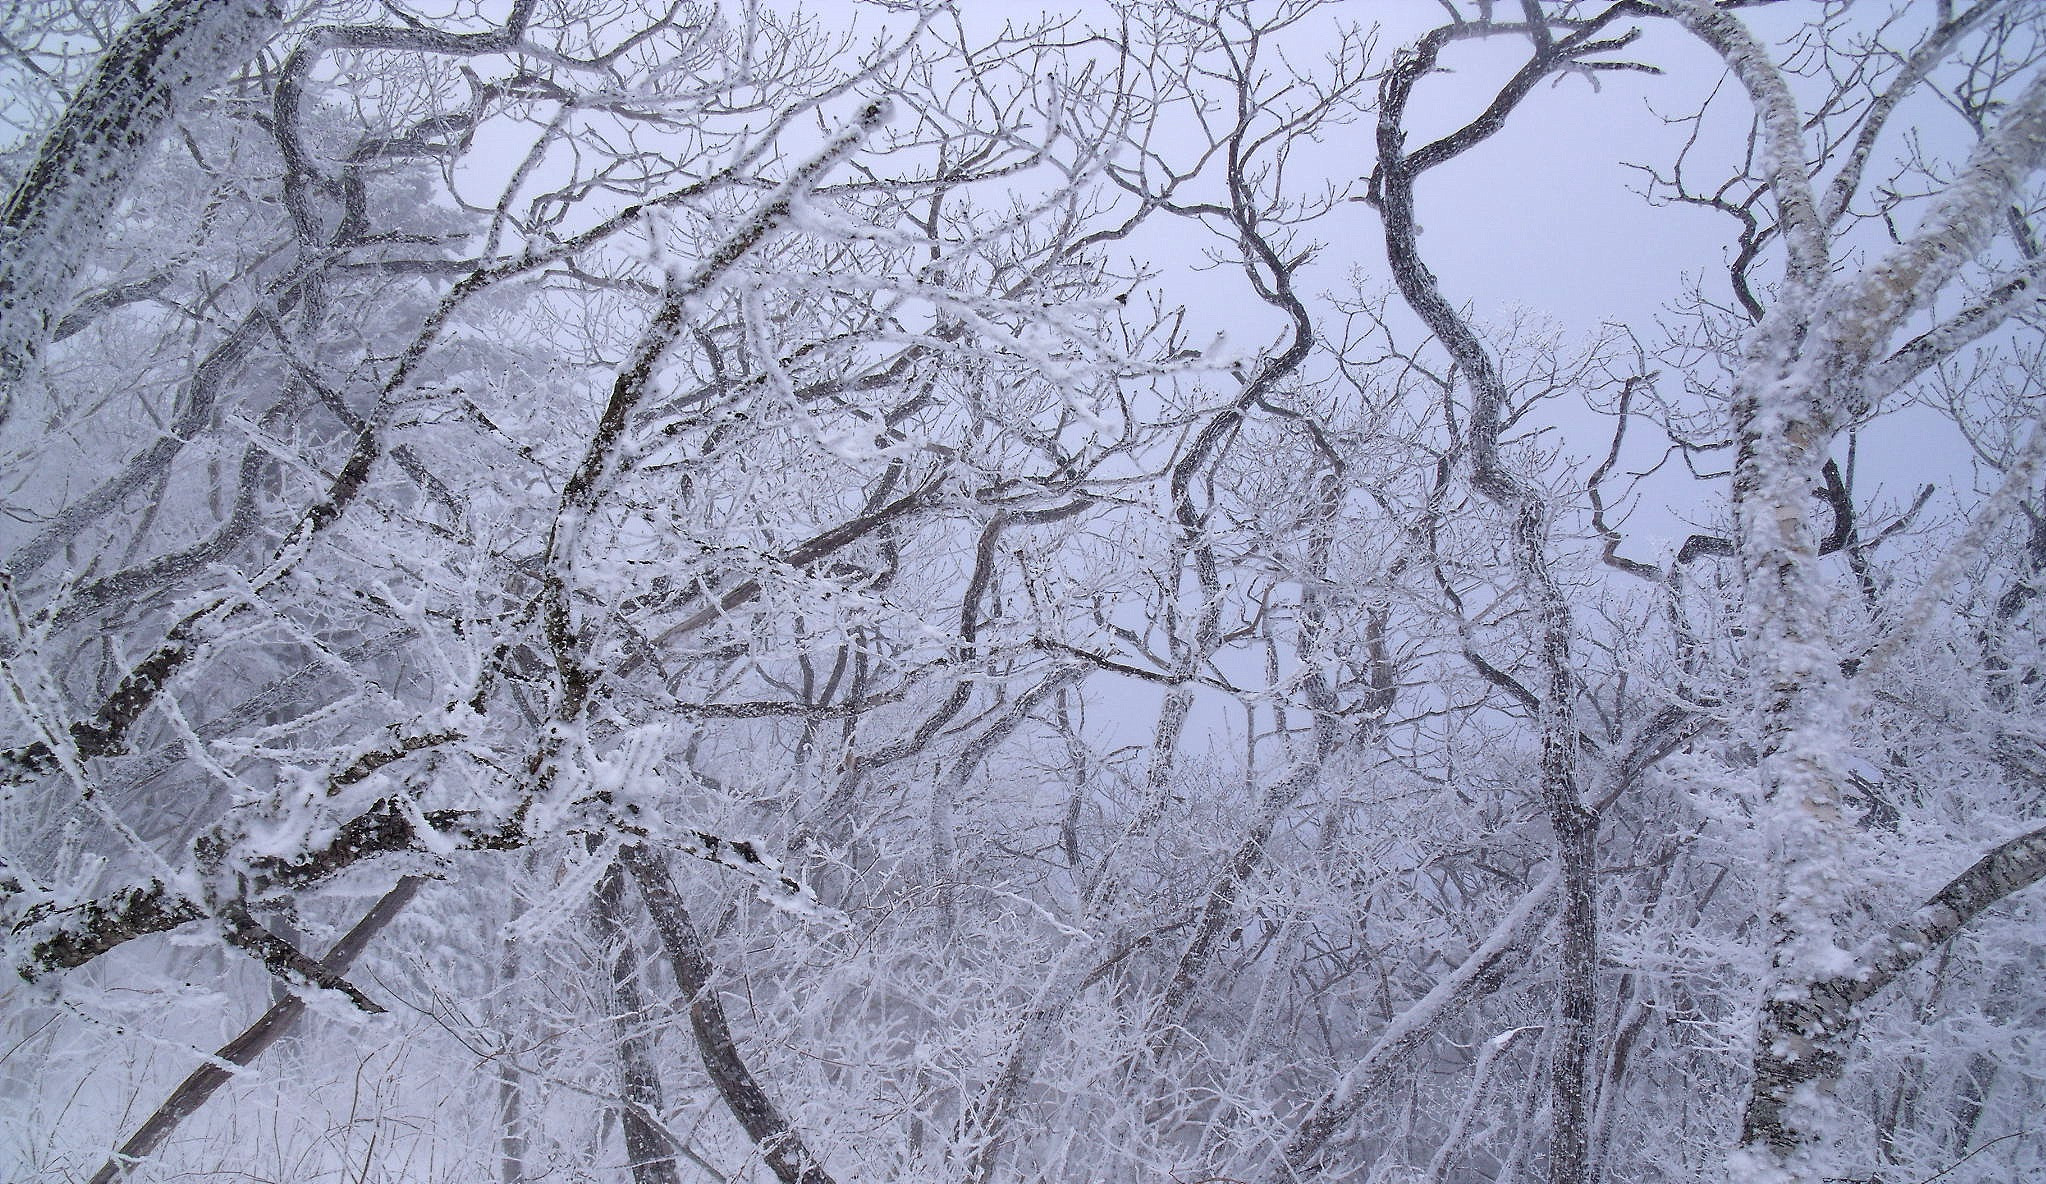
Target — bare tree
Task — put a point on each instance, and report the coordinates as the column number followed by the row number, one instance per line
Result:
column 1151, row 680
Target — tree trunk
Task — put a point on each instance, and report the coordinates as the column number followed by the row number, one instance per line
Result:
column 641, row 1098
column 282, row 1016
column 779, row 1144
column 58, row 210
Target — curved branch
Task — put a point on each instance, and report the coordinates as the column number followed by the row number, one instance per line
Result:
column 1916, row 68
column 2010, row 867
column 1575, row 826
column 1815, row 1027
column 1781, row 125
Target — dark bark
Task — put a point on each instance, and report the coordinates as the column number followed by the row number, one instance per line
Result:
column 70, row 937
column 641, row 1097
column 1575, row 826
column 780, row 1146
column 57, row 212
column 268, row 1029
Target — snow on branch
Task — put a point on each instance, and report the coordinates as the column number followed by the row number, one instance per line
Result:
column 58, row 211
column 745, row 858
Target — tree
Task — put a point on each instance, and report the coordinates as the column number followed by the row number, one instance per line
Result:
column 465, row 459
column 348, row 366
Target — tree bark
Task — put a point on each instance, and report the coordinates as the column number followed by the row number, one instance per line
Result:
column 272, row 1026
column 641, row 1097
column 1528, row 517
column 779, row 1144
column 58, row 210
column 1813, row 1031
